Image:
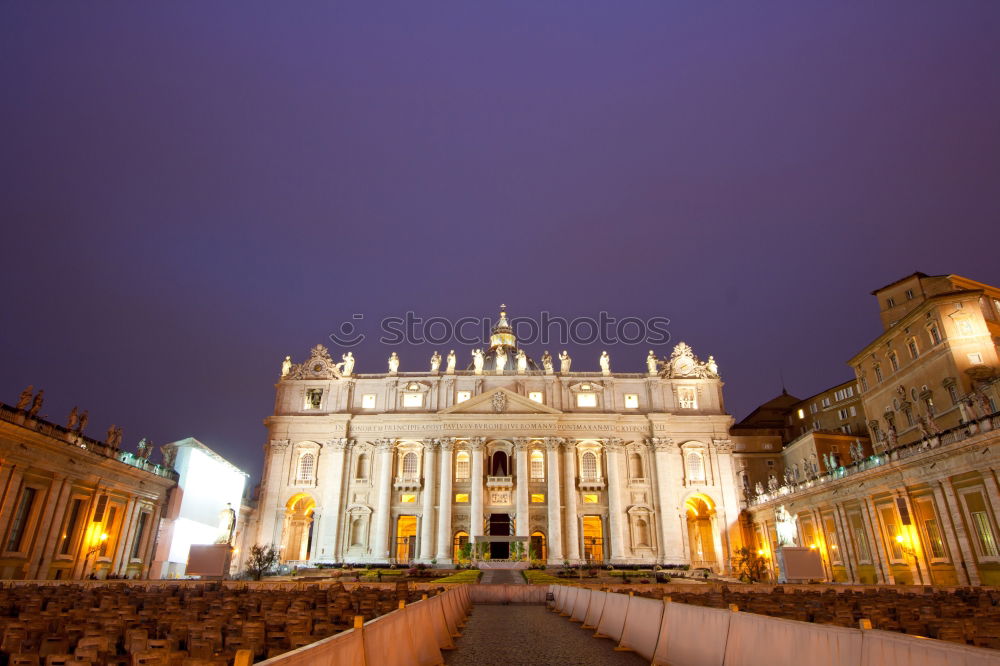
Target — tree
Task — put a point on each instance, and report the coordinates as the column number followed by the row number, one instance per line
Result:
column 752, row 567
column 261, row 560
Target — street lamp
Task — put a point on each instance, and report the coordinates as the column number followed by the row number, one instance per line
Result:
column 908, row 549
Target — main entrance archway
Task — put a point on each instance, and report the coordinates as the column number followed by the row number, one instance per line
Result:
column 701, row 529
column 298, row 528
column 499, row 526
column 406, row 538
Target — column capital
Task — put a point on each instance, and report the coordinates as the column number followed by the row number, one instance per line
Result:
column 279, row 445
column 339, row 443
column 447, row 443
column 477, row 443
column 614, row 444
column 553, row 443
column 430, row 443
column 383, row 444
column 723, row 445
column 662, row 444
column 521, row 443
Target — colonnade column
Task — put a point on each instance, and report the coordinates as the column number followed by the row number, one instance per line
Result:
column 671, row 536
column 332, row 478
column 572, row 520
column 961, row 535
column 553, row 538
column 521, row 493
column 427, row 519
column 380, row 545
column 476, row 507
column 51, row 525
column 613, row 447
column 444, row 550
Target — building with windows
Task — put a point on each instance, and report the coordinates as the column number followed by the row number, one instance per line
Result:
column 582, row 466
column 72, row 506
column 920, row 505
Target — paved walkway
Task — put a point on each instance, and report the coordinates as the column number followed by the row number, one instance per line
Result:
column 502, row 577
column 506, row 635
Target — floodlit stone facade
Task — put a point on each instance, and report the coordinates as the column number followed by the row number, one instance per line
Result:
column 571, row 465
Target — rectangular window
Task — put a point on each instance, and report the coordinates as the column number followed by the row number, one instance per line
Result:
column 688, row 397
column 894, row 361
column 802, row 414
column 72, row 522
column 536, row 396
column 537, row 498
column 853, row 411
column 18, row 525
column 878, row 373
column 890, row 302
column 935, row 334
column 984, row 534
column 463, row 396
column 314, row 398
column 813, row 408
column 462, row 498
column 368, row 401
column 860, row 538
column 109, row 529
column 975, row 358
column 140, row 532
column 590, row 498
column 909, row 294
column 953, row 394
column 825, row 402
column 413, row 400
column 911, row 345
column 934, row 538
column 891, row 532
column 842, row 414
column 408, row 498
column 586, row 400
column 631, row 401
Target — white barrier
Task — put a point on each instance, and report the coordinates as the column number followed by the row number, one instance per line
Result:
column 579, row 610
column 507, row 594
column 597, row 599
column 673, row 633
column 787, row 641
column 613, row 618
column 642, row 629
column 414, row 634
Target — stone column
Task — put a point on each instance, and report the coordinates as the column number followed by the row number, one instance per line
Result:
column 128, row 522
column 130, row 536
column 379, row 547
column 444, row 545
column 616, row 513
column 961, row 536
column 521, row 492
column 572, row 520
column 920, row 574
column 331, row 481
column 11, row 496
column 48, row 531
column 269, row 525
column 147, row 555
column 870, row 516
column 672, row 539
column 476, row 507
column 847, row 553
column 553, row 538
column 427, row 495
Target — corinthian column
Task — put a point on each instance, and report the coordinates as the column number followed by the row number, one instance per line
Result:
column 616, row 516
column 572, row 521
column 444, row 553
column 553, row 538
column 427, row 520
column 671, row 537
column 476, row 510
column 331, row 478
column 380, row 545
column 521, row 505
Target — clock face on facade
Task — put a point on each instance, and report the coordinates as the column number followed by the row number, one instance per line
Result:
column 318, row 367
column 684, row 365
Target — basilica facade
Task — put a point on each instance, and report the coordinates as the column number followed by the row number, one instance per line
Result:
column 514, row 457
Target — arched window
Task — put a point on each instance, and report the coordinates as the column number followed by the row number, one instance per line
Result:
column 589, row 465
column 537, row 465
column 307, row 465
column 362, row 470
column 635, row 466
column 499, row 464
column 462, row 465
column 410, row 465
column 695, row 467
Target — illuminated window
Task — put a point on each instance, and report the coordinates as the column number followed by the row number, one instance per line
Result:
column 413, row 399
column 462, row 498
column 894, row 361
column 537, row 498
column 314, row 398
column 802, row 414
column 463, row 396
column 935, row 333
column 588, row 465
column 688, row 397
column 586, row 400
column 631, row 401
column 408, row 499
column 695, row 467
column 535, row 396
column 892, row 531
column 590, row 498
column 462, row 465
column 307, row 464
column 410, row 465
column 975, row 358
column 368, row 401
column 911, row 346
column 537, row 465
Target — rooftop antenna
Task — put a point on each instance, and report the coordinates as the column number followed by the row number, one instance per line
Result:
column 781, row 377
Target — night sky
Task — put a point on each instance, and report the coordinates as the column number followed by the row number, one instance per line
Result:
column 191, row 190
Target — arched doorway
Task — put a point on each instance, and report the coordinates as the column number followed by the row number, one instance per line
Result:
column 406, row 538
column 461, row 539
column 536, row 547
column 500, row 464
column 297, row 544
column 701, row 532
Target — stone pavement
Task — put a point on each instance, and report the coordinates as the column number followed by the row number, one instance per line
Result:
column 506, row 635
column 502, row 577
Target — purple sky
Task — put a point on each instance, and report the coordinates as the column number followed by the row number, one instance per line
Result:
column 190, row 191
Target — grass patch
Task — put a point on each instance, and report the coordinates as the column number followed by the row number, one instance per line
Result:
column 467, row 576
column 539, row 577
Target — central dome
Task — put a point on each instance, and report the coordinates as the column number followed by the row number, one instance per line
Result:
column 503, row 344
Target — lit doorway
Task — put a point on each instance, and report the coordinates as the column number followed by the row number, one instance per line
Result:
column 536, row 547
column 406, row 538
column 593, row 539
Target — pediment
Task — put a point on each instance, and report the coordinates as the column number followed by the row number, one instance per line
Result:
column 508, row 402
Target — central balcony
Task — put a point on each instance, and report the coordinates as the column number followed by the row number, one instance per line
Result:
column 407, row 483
column 499, row 482
column 590, row 483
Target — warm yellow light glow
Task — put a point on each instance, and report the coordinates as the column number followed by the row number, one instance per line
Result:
column 537, row 498
column 462, row 497
column 834, row 546
column 408, row 498
column 104, row 536
column 900, row 538
column 761, row 552
column 812, row 546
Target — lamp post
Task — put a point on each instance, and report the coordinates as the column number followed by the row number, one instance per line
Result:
column 908, row 549
column 101, row 540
